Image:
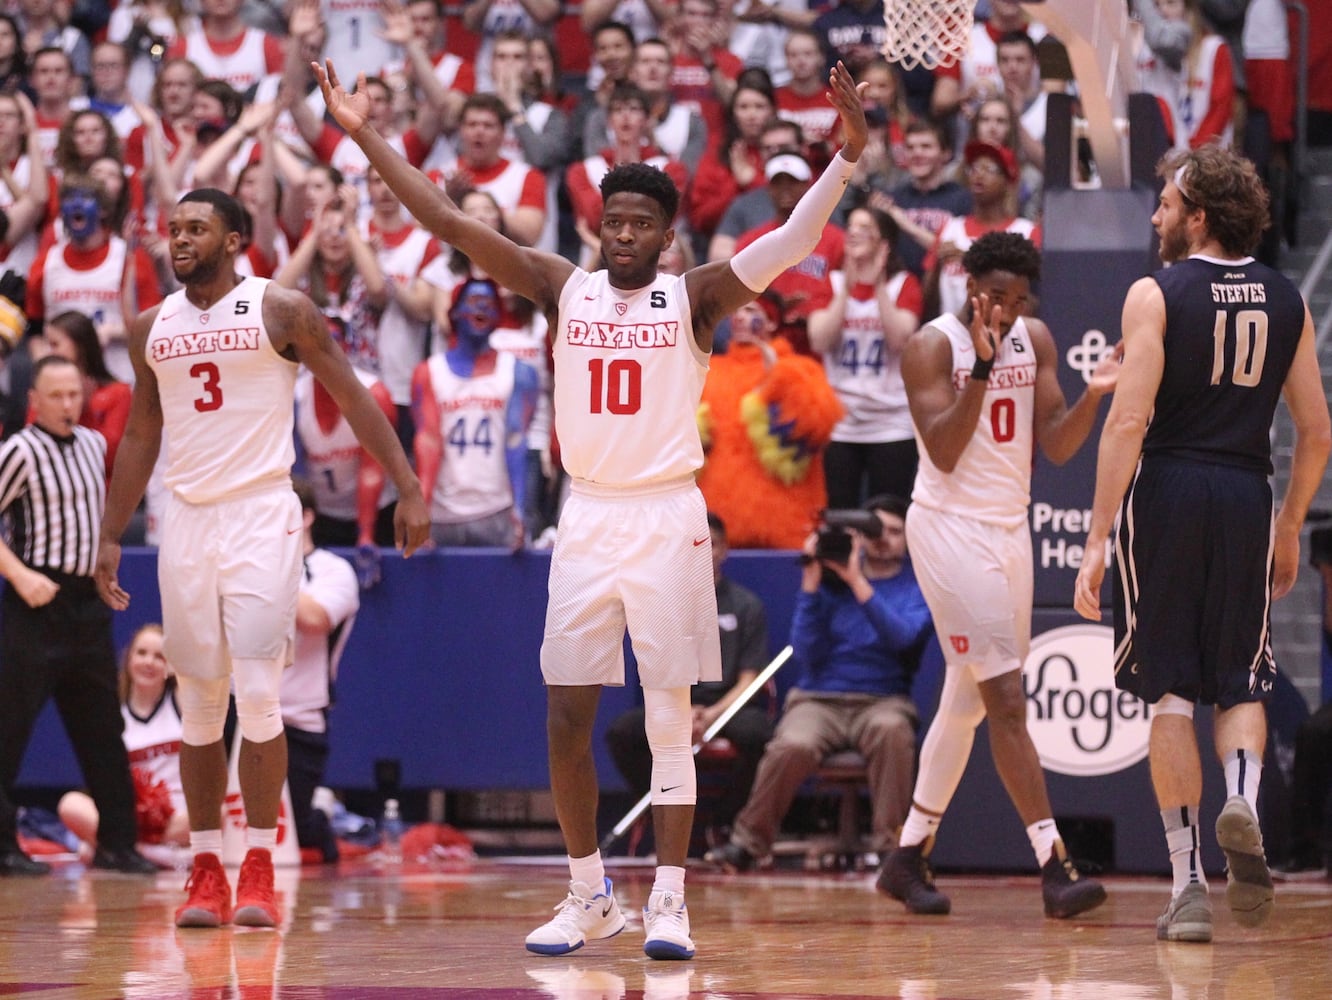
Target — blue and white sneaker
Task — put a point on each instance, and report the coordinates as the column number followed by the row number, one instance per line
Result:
column 666, row 926
column 583, row 916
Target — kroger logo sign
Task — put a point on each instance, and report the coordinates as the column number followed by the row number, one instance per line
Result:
column 1081, row 724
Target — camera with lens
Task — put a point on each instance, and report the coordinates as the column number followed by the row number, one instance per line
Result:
column 834, row 533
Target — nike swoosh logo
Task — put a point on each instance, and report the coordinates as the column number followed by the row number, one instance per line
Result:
column 171, row 316
column 589, row 298
column 293, row 531
column 606, row 912
column 671, row 789
column 699, row 542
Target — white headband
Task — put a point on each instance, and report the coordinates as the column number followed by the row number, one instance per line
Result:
column 1179, row 183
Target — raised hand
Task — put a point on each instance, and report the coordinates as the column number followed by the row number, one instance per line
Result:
column 304, row 18
column 397, row 23
column 845, row 95
column 985, row 326
column 351, row 111
column 256, row 117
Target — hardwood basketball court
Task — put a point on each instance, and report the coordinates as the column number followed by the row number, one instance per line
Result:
column 352, row 931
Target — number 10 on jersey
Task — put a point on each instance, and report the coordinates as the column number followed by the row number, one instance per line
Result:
column 616, row 387
column 1250, row 347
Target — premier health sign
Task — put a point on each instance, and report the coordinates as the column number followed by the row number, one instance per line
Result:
column 1081, row 724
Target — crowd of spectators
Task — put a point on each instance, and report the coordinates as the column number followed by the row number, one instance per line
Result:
column 518, row 108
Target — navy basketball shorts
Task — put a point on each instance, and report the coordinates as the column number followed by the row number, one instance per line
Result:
column 1192, row 583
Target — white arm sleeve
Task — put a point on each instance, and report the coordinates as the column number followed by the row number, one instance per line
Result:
column 758, row 264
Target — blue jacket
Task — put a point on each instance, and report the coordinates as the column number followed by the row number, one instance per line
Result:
column 846, row 647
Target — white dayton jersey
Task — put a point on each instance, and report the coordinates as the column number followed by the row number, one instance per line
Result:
column 95, row 291
column 226, row 396
column 153, row 744
column 333, row 456
column 473, row 479
column 307, row 684
column 628, row 379
column 962, row 231
column 865, row 373
column 992, row 479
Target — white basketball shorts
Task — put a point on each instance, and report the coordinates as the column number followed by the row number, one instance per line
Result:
column 977, row 579
column 639, row 559
column 229, row 573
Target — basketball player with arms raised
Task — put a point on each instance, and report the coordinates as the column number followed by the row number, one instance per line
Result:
column 215, row 368
column 631, row 352
column 1211, row 343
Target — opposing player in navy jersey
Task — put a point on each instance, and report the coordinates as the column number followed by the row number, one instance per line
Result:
column 630, row 348
column 1210, row 344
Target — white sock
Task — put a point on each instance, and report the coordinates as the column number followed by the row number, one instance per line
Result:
column 669, row 879
column 918, row 828
column 264, row 839
column 1043, row 834
column 590, row 871
column 1181, row 830
column 206, row 842
column 1244, row 771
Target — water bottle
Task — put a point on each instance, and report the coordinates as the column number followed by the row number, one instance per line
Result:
column 390, row 834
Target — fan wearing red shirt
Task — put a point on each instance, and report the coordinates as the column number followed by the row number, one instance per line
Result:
column 106, row 400
column 519, row 190
column 802, row 100
column 806, row 286
column 703, row 72
column 173, row 99
column 632, row 131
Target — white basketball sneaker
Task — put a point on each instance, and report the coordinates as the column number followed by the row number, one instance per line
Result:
column 666, row 926
column 583, row 916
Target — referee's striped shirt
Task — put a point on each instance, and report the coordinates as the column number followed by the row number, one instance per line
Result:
column 53, row 492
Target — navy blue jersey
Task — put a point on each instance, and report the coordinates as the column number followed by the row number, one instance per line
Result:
column 1230, row 338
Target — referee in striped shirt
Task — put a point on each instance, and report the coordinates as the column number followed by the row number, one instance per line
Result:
column 56, row 640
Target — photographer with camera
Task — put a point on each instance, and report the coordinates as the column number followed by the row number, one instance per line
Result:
column 859, row 627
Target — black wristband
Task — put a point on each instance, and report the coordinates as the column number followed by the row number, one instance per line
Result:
column 980, row 370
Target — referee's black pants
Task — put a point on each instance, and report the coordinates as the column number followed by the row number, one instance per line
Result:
column 64, row 651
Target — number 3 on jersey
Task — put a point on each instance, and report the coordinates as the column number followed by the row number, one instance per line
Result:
column 207, row 372
column 617, row 387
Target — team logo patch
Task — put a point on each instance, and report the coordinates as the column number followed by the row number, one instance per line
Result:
column 621, row 308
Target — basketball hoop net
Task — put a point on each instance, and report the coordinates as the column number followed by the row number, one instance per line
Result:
column 927, row 33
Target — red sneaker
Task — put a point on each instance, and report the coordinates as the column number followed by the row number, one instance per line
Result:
column 209, row 902
column 255, row 906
